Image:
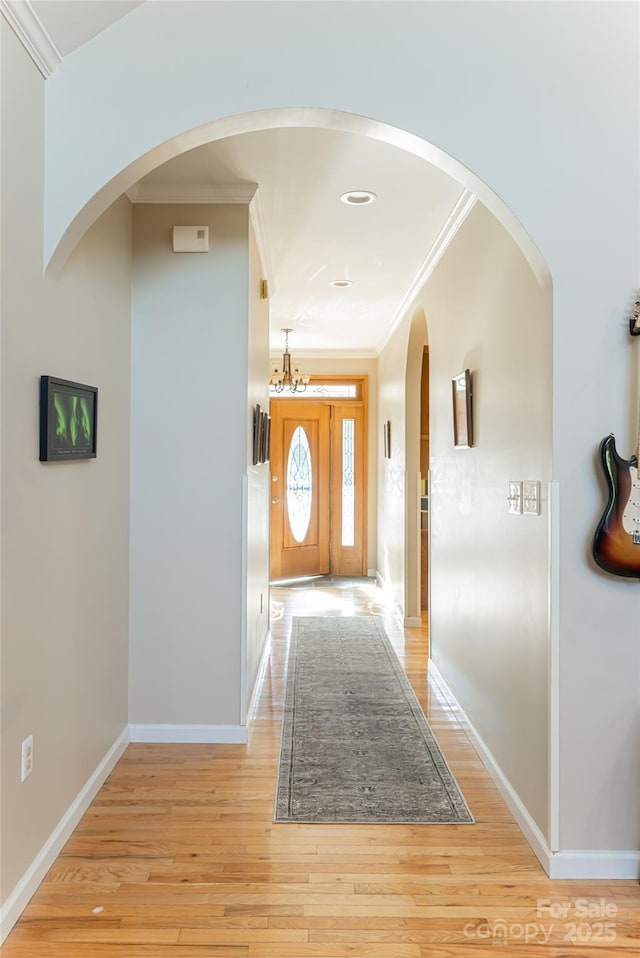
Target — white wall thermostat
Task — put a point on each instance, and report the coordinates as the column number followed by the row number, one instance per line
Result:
column 190, row 239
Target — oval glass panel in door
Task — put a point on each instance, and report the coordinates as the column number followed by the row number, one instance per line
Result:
column 299, row 484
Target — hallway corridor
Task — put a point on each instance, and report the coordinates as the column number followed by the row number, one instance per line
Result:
column 178, row 856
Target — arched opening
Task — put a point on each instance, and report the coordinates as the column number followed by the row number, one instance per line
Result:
column 339, row 122
column 418, row 339
column 496, row 260
column 64, row 229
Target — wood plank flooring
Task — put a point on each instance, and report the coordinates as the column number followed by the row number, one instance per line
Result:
column 178, row 856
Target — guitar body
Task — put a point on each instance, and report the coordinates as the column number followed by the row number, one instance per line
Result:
column 616, row 543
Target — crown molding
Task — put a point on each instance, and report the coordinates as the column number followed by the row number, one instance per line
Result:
column 192, row 193
column 200, row 193
column 463, row 206
column 31, row 33
column 258, row 222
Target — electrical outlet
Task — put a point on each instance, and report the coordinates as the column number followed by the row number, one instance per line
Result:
column 27, row 758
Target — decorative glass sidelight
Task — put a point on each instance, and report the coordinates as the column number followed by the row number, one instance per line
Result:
column 299, row 484
column 348, row 482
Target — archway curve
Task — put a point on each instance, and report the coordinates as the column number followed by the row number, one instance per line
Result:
column 417, row 340
column 61, row 247
column 58, row 247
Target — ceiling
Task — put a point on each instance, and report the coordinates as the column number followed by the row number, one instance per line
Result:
column 312, row 238
column 308, row 236
column 70, row 23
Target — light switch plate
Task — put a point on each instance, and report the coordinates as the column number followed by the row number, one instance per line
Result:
column 514, row 499
column 531, row 497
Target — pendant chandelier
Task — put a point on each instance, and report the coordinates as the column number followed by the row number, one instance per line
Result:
column 288, row 378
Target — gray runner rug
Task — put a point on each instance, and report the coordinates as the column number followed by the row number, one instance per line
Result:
column 356, row 746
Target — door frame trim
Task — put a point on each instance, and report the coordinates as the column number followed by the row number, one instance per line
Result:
column 362, row 400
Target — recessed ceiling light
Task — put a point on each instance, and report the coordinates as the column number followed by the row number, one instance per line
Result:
column 340, row 283
column 358, row 197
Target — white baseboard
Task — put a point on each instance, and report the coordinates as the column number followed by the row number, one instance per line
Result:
column 373, row 574
column 189, row 734
column 595, row 864
column 264, row 658
column 603, row 865
column 519, row 811
column 412, row 622
column 28, row 884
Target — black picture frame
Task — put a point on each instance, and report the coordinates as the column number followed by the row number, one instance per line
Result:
column 68, row 420
column 462, row 410
column 266, row 438
column 258, row 423
column 387, row 439
column 261, row 436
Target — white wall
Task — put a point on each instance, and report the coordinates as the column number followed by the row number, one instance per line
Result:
column 540, row 102
column 65, row 563
column 188, row 456
column 258, row 502
column 489, row 569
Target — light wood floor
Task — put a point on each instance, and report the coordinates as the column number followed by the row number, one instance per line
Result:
column 180, row 855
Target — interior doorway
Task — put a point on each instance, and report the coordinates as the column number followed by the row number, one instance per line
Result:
column 424, row 482
column 318, row 484
column 417, row 467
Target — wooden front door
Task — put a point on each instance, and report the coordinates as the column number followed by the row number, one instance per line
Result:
column 317, row 488
column 299, row 488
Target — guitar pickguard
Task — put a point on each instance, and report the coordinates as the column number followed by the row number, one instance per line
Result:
column 631, row 512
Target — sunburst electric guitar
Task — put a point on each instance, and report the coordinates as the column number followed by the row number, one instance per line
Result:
column 616, row 543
